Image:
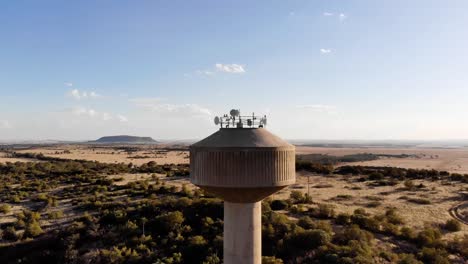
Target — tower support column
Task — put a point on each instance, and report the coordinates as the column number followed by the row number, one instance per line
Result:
column 242, row 233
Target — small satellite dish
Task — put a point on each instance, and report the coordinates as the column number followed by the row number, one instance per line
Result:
column 234, row 112
column 216, row 120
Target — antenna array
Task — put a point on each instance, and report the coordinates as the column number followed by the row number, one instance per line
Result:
column 236, row 120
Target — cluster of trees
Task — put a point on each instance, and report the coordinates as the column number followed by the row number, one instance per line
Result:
column 377, row 173
column 333, row 160
column 148, row 221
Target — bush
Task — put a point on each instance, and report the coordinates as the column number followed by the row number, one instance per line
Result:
column 343, row 219
column 296, row 197
column 306, row 222
column 409, row 184
column 309, row 239
column 408, row 259
column 460, row 245
column 434, row 255
column 279, row 205
column 326, row 211
column 407, row 233
column 271, row 260
column 33, row 229
column 393, row 218
column 452, row 225
column 55, row 215
column 5, row 208
column 429, row 237
column 10, row 234
column 353, row 233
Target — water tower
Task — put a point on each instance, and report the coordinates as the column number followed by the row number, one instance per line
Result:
column 242, row 163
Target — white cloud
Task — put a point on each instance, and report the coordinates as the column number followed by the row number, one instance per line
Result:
column 230, row 68
column 219, row 67
column 90, row 113
column 106, row 116
column 318, row 107
column 204, row 72
column 5, row 124
column 342, row 17
column 122, row 118
column 77, row 94
column 156, row 105
column 327, row 14
column 69, row 84
column 325, row 51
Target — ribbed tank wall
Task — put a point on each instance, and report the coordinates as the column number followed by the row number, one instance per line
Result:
column 242, row 168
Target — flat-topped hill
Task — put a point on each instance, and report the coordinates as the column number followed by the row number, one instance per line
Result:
column 125, row 139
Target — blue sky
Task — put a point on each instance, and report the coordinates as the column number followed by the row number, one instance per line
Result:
column 318, row 69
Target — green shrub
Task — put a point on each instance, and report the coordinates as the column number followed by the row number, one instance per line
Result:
column 434, row 256
column 408, row 259
column 407, row 233
column 343, row 219
column 271, row 260
column 5, row 208
column 279, row 205
column 353, row 233
column 393, row 218
column 32, row 229
column 296, row 196
column 325, row 211
column 309, row 239
column 306, row 222
column 55, row 215
column 429, row 237
column 452, row 225
column 10, row 234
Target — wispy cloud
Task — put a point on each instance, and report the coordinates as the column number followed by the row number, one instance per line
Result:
column 230, row 68
column 204, row 72
column 318, row 107
column 77, row 94
column 220, row 68
column 122, row 118
column 342, row 17
column 157, row 105
column 325, row 51
column 80, row 111
column 69, row 84
column 5, row 124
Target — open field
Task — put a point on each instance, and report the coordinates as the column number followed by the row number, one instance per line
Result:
column 454, row 160
column 136, row 154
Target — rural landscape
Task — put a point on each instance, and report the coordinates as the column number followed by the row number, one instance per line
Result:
column 233, row 132
column 133, row 203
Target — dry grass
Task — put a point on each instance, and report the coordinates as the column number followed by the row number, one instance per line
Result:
column 452, row 160
column 342, row 193
column 110, row 154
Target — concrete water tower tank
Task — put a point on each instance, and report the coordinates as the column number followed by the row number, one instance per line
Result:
column 242, row 163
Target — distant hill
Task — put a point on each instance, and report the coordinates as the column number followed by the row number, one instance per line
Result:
column 125, row 139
